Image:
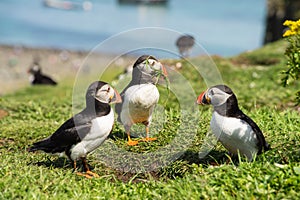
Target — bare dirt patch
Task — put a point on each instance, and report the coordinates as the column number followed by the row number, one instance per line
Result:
column 3, row 113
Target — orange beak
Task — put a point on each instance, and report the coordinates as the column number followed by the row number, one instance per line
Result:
column 116, row 98
column 164, row 71
column 203, row 99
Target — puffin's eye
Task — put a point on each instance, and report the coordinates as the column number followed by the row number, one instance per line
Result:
column 105, row 90
column 212, row 92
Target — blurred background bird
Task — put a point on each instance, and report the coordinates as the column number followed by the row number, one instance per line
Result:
column 37, row 78
column 185, row 44
column 236, row 131
column 85, row 131
column 140, row 96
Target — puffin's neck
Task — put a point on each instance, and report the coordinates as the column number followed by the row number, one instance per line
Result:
column 37, row 74
column 97, row 108
column 139, row 77
column 228, row 109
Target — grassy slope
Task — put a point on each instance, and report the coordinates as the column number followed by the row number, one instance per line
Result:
column 38, row 111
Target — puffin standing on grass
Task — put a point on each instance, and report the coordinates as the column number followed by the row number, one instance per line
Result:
column 236, row 131
column 37, row 78
column 140, row 96
column 85, row 131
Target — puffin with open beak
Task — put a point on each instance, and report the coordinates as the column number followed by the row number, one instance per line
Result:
column 85, row 131
column 237, row 132
column 140, row 96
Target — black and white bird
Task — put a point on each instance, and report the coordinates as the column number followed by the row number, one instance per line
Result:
column 185, row 44
column 37, row 77
column 141, row 95
column 236, row 131
column 85, row 131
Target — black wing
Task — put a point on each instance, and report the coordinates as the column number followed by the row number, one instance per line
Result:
column 118, row 106
column 262, row 144
column 48, row 80
column 69, row 133
column 118, row 109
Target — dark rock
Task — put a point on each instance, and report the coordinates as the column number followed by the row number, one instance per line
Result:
column 278, row 12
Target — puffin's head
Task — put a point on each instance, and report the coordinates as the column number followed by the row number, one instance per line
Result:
column 216, row 96
column 149, row 66
column 103, row 93
column 185, row 41
column 35, row 69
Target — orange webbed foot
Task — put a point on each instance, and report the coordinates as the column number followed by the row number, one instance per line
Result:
column 132, row 142
column 92, row 174
column 148, row 139
column 84, row 174
column 88, row 174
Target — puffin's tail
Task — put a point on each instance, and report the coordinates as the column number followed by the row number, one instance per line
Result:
column 267, row 146
column 45, row 145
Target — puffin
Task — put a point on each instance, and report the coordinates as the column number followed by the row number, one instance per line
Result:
column 85, row 131
column 38, row 78
column 140, row 96
column 184, row 44
column 237, row 132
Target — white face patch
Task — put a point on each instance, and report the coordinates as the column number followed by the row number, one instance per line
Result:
column 35, row 68
column 105, row 94
column 150, row 65
column 217, row 96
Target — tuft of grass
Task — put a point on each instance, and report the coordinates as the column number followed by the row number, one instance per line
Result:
column 169, row 167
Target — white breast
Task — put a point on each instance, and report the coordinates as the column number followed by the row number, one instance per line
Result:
column 101, row 127
column 31, row 78
column 235, row 134
column 139, row 102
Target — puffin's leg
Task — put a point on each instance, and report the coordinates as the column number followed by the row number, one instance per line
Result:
column 130, row 141
column 88, row 173
column 79, row 173
column 147, row 138
column 87, row 169
column 74, row 165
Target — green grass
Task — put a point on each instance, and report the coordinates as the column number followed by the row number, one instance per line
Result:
column 135, row 172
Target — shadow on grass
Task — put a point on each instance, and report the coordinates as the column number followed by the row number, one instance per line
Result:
column 60, row 162
column 56, row 163
column 119, row 135
column 213, row 158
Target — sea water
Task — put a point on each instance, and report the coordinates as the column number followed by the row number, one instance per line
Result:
column 223, row 27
